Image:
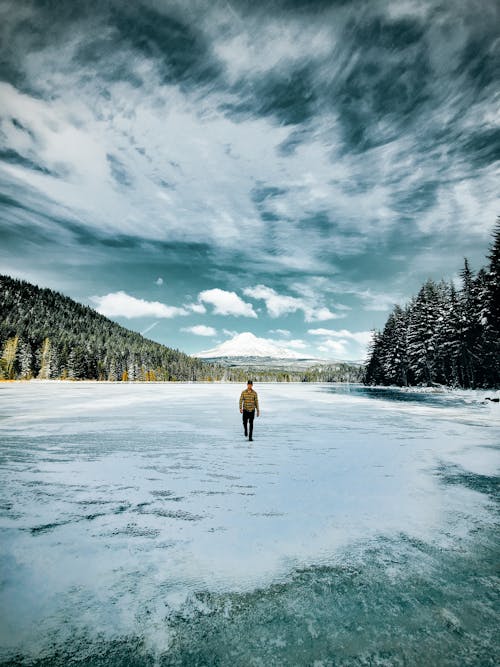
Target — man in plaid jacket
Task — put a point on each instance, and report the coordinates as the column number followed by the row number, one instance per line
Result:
column 249, row 405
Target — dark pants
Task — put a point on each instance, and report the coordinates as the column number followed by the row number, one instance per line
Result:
column 248, row 416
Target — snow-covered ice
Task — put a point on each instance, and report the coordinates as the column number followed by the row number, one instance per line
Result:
column 138, row 517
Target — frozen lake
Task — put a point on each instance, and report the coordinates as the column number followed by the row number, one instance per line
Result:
column 139, row 526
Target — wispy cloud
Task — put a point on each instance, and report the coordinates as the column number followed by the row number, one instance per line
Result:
column 279, row 304
column 377, row 301
column 280, row 332
column 344, row 343
column 361, row 337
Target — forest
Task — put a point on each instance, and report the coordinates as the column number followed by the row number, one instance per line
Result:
column 46, row 335
column 446, row 334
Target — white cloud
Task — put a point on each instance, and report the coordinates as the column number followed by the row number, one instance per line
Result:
column 200, row 330
column 337, row 346
column 279, row 304
column 343, row 343
column 197, row 308
column 159, row 281
column 227, row 303
column 276, row 304
column 320, row 314
column 120, row 304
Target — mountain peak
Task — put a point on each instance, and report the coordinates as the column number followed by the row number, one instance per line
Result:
column 246, row 344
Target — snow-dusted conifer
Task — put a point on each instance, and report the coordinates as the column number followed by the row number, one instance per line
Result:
column 422, row 338
column 25, row 360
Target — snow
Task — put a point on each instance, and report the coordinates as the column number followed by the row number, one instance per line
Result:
column 248, row 345
column 120, row 502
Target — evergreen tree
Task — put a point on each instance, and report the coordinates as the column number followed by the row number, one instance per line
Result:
column 423, row 319
column 25, row 361
column 490, row 314
column 77, row 369
column 374, row 372
column 448, row 338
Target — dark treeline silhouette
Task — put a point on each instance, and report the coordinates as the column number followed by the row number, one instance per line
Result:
column 444, row 335
column 46, row 335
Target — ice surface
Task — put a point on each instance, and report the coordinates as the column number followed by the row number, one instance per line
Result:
column 135, row 517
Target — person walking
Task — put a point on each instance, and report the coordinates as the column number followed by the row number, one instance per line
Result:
column 249, row 405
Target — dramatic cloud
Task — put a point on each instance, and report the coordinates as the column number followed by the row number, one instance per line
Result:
column 227, row 303
column 120, row 304
column 326, row 153
column 200, row 330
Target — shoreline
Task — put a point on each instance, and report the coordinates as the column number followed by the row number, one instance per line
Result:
column 494, row 391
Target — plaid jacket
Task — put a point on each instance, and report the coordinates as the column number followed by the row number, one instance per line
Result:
column 249, row 400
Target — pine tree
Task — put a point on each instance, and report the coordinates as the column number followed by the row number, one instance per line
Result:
column 25, row 360
column 76, row 364
column 494, row 281
column 374, row 372
column 55, row 363
column 112, row 370
column 448, row 337
column 490, row 314
column 422, row 338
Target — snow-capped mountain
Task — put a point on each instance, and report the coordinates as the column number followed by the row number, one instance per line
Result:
column 248, row 345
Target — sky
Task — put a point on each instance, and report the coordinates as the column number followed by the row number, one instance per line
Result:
column 197, row 169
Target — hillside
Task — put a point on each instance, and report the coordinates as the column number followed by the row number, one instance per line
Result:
column 47, row 335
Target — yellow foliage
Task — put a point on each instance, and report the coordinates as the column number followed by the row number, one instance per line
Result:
column 8, row 358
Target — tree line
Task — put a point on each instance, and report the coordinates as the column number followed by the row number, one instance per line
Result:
column 445, row 335
column 46, row 335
